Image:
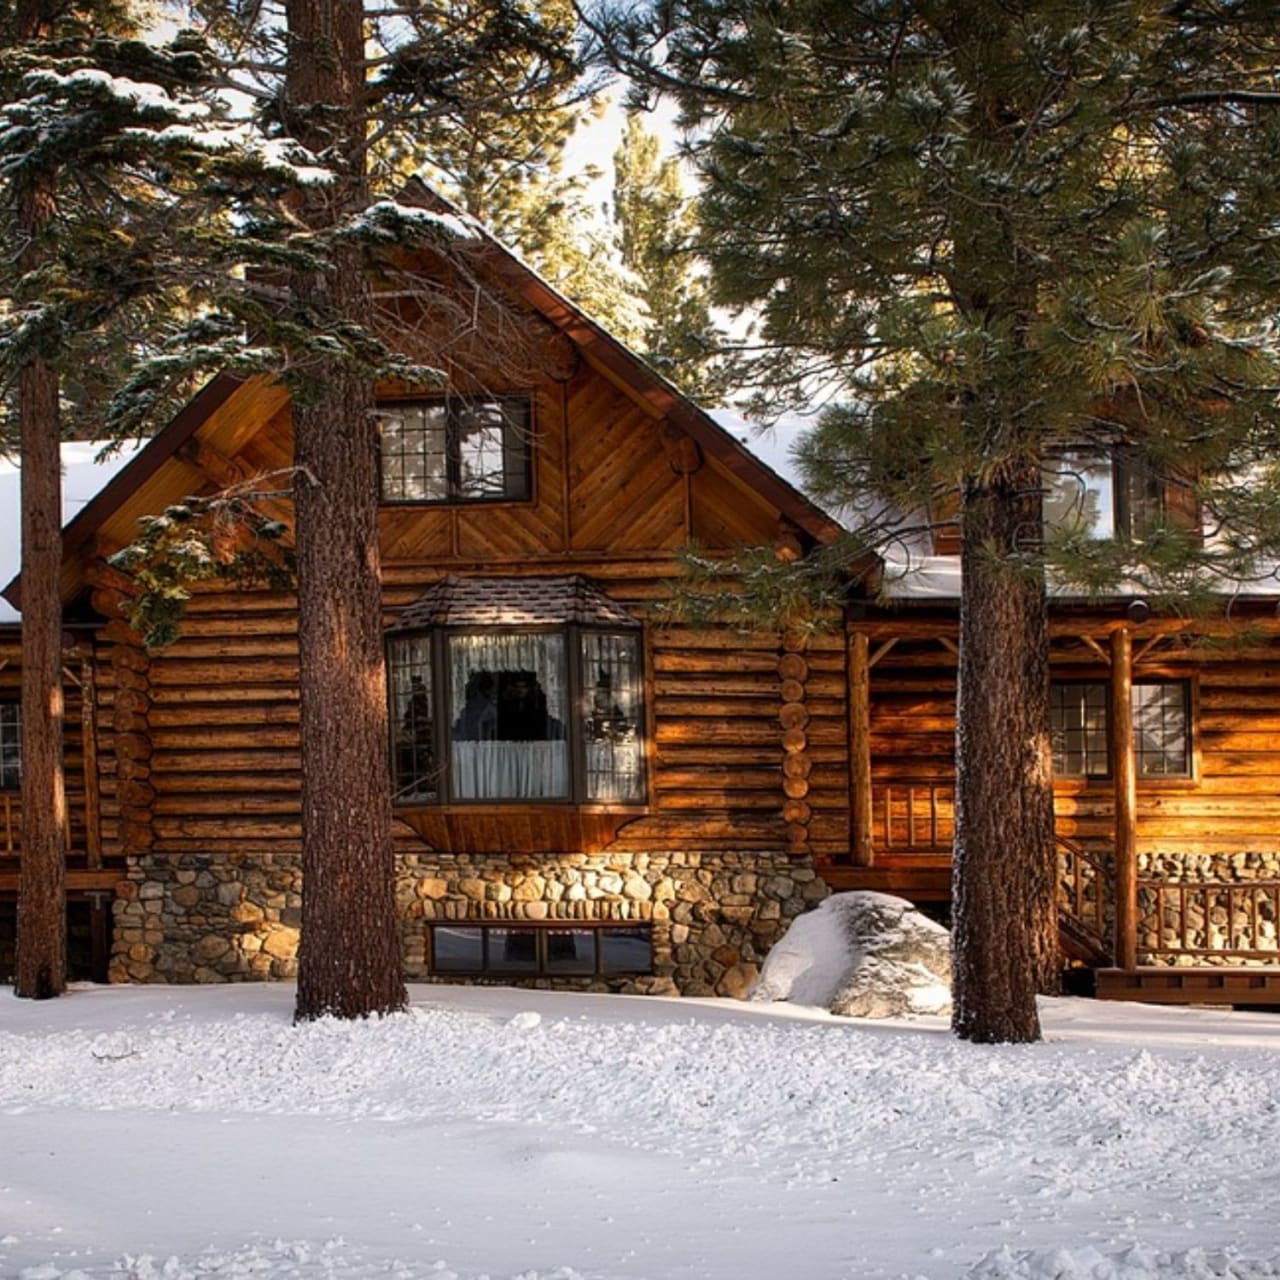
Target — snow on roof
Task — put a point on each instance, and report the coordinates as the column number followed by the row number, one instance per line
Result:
column 83, row 475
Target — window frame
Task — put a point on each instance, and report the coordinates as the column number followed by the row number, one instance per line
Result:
column 541, row 929
column 445, row 712
column 1191, row 705
column 1172, row 494
column 1079, row 682
column 15, row 787
column 452, row 456
column 1190, row 708
column 1127, row 469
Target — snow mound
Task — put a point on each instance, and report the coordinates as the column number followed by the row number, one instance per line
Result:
column 861, row 955
column 1135, row 1263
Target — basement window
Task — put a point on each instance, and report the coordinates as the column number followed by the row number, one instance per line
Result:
column 544, row 951
column 456, row 449
column 10, row 746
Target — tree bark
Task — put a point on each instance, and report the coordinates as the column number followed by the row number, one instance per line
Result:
column 349, row 959
column 1005, row 936
column 41, row 958
column 42, row 929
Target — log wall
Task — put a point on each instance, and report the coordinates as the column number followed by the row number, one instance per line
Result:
column 73, row 761
column 223, row 724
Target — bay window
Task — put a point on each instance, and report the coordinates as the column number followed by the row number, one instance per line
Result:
column 504, row 713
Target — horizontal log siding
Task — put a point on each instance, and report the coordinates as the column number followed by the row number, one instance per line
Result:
column 224, row 727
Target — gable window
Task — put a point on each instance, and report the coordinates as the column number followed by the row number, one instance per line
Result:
column 456, row 449
column 505, row 713
column 1079, row 714
column 10, row 746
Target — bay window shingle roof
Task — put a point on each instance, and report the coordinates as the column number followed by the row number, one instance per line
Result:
column 512, row 602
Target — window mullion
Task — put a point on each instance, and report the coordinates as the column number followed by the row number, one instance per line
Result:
column 453, row 450
column 577, row 745
column 443, row 694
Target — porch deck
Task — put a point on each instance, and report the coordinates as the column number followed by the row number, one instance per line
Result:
column 1205, row 941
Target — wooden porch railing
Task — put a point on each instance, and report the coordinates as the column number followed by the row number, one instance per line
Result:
column 1187, row 917
column 913, row 817
column 1084, row 887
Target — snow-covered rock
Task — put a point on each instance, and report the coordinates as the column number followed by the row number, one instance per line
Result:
column 861, row 955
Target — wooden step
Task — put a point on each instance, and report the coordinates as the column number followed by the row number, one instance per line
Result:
column 1207, row 985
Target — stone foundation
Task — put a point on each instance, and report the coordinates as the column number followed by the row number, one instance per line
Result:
column 200, row 918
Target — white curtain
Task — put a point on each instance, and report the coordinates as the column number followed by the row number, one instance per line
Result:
column 506, row 770
column 508, row 740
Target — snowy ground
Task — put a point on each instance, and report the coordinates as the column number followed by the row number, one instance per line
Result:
column 163, row 1132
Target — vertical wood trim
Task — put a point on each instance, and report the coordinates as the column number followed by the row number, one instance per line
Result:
column 89, row 744
column 650, row 718
column 566, row 526
column 860, row 750
column 1124, row 773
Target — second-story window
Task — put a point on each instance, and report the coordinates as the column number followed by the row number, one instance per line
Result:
column 456, row 449
column 1116, row 494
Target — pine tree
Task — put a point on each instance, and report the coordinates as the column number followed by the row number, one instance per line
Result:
column 504, row 164
column 657, row 230
column 334, row 343
column 123, row 184
column 997, row 231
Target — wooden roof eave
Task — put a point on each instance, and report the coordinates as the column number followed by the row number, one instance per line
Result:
column 85, row 525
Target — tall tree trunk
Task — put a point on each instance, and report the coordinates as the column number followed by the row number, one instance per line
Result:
column 349, row 961
column 42, row 929
column 1005, row 937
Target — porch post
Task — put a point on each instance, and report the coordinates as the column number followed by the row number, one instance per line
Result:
column 1124, row 775
column 860, row 749
column 89, row 747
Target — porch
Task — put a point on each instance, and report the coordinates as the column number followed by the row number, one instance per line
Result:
column 1159, row 903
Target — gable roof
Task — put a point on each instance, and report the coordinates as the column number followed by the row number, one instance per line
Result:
column 648, row 388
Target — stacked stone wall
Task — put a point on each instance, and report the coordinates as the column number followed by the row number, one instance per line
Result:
column 205, row 918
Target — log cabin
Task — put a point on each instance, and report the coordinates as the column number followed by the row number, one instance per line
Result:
column 585, row 794
column 588, row 794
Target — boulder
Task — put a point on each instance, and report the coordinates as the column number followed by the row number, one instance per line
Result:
column 861, row 955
